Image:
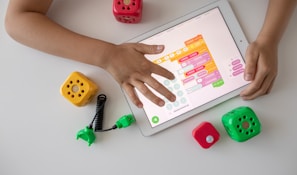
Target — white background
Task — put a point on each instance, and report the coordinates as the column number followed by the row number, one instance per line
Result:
column 38, row 126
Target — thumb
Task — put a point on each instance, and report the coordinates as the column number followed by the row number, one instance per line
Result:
column 149, row 49
column 252, row 56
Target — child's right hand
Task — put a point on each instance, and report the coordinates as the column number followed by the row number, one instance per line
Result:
column 128, row 65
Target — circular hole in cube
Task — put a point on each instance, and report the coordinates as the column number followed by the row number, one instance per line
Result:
column 75, row 89
column 244, row 117
column 77, row 81
column 209, row 139
column 127, row 2
column 239, row 119
column 245, row 125
column 82, row 91
column 127, row 18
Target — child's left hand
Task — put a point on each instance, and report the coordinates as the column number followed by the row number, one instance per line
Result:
column 261, row 69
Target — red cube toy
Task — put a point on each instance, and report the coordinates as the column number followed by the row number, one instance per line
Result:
column 206, row 134
column 127, row 11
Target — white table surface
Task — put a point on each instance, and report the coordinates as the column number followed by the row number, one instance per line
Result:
column 38, row 126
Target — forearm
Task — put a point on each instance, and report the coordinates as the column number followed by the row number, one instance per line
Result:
column 36, row 30
column 261, row 55
column 276, row 21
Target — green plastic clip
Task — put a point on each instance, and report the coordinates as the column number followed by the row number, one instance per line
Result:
column 125, row 121
column 87, row 134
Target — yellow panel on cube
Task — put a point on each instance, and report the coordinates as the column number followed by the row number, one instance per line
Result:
column 78, row 89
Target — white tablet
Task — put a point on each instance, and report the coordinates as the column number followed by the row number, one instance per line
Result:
column 204, row 50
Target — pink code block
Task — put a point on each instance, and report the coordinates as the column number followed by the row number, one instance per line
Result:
column 235, row 62
column 206, row 135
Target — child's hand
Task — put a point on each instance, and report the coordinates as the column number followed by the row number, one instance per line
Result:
column 131, row 69
column 261, row 69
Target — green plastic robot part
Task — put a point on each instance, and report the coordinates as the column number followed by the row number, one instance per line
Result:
column 87, row 134
column 241, row 124
column 125, row 121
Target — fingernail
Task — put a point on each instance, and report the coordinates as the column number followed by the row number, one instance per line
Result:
column 248, row 77
column 160, row 47
column 161, row 103
column 139, row 105
column 173, row 77
column 172, row 99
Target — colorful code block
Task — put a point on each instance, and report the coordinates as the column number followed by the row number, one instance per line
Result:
column 197, row 66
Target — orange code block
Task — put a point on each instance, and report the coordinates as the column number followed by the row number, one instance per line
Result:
column 78, row 89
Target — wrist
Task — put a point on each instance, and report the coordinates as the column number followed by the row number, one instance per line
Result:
column 102, row 54
column 267, row 40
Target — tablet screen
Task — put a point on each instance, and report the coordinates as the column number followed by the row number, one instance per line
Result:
column 205, row 60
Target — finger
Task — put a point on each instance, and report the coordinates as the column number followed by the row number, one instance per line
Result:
column 132, row 95
column 159, row 70
column 262, row 90
column 142, row 88
column 271, row 85
column 252, row 57
column 153, row 83
column 252, row 89
column 251, row 92
column 149, row 49
column 255, row 85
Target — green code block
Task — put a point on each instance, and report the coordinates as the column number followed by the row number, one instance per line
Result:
column 218, row 83
column 241, row 123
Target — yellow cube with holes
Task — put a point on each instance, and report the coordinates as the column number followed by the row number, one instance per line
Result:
column 78, row 89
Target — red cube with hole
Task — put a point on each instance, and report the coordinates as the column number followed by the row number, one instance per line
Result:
column 127, row 11
column 206, row 134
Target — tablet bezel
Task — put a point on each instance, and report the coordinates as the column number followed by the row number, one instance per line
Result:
column 240, row 41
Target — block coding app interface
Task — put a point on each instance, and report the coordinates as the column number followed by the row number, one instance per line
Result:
column 205, row 60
